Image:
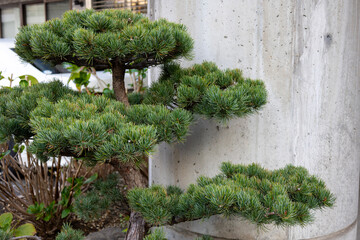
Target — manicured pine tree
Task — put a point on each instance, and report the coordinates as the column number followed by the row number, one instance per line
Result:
column 98, row 129
column 113, row 39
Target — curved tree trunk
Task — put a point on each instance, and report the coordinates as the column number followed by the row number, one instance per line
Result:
column 118, row 77
column 133, row 177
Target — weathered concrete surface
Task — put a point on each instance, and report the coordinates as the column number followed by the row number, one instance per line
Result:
column 111, row 233
column 307, row 52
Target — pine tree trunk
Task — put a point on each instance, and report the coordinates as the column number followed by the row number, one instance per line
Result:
column 131, row 174
column 118, row 77
column 133, row 177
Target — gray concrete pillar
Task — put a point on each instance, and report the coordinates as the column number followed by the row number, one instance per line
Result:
column 307, row 52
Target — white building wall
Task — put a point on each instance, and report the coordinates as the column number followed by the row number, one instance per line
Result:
column 307, row 52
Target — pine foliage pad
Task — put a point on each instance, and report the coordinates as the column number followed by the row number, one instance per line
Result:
column 17, row 103
column 284, row 197
column 90, row 38
column 99, row 129
column 206, row 90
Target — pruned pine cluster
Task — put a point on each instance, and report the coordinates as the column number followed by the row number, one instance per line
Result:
column 90, row 38
column 17, row 103
column 206, row 90
column 284, row 197
column 68, row 233
column 99, row 129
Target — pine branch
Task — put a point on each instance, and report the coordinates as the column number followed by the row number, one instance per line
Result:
column 204, row 89
column 283, row 197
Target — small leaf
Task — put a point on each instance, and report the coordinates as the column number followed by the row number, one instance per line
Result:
column 47, row 217
column 22, row 148
column 65, row 212
column 91, row 179
column 32, row 209
column 23, row 83
column 30, row 78
column 16, row 148
column 26, row 229
column 5, row 221
column 2, row 155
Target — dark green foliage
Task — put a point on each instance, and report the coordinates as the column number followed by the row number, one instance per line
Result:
column 206, row 90
column 95, row 202
column 17, row 103
column 68, row 233
column 135, row 98
column 284, row 197
column 97, row 38
column 99, row 129
column 5, row 235
column 157, row 234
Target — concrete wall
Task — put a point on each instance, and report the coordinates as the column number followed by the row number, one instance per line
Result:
column 307, row 52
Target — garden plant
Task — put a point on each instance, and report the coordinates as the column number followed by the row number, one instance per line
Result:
column 98, row 129
column 35, row 191
column 11, row 231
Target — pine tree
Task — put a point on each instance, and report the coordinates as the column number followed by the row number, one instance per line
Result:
column 98, row 129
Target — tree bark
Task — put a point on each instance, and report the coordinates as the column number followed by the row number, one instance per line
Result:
column 136, row 230
column 133, row 177
column 118, row 77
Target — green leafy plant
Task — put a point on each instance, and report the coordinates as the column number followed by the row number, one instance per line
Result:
column 42, row 212
column 27, row 80
column 7, row 231
column 137, row 77
column 108, row 92
column 38, row 193
column 79, row 75
column 68, row 192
